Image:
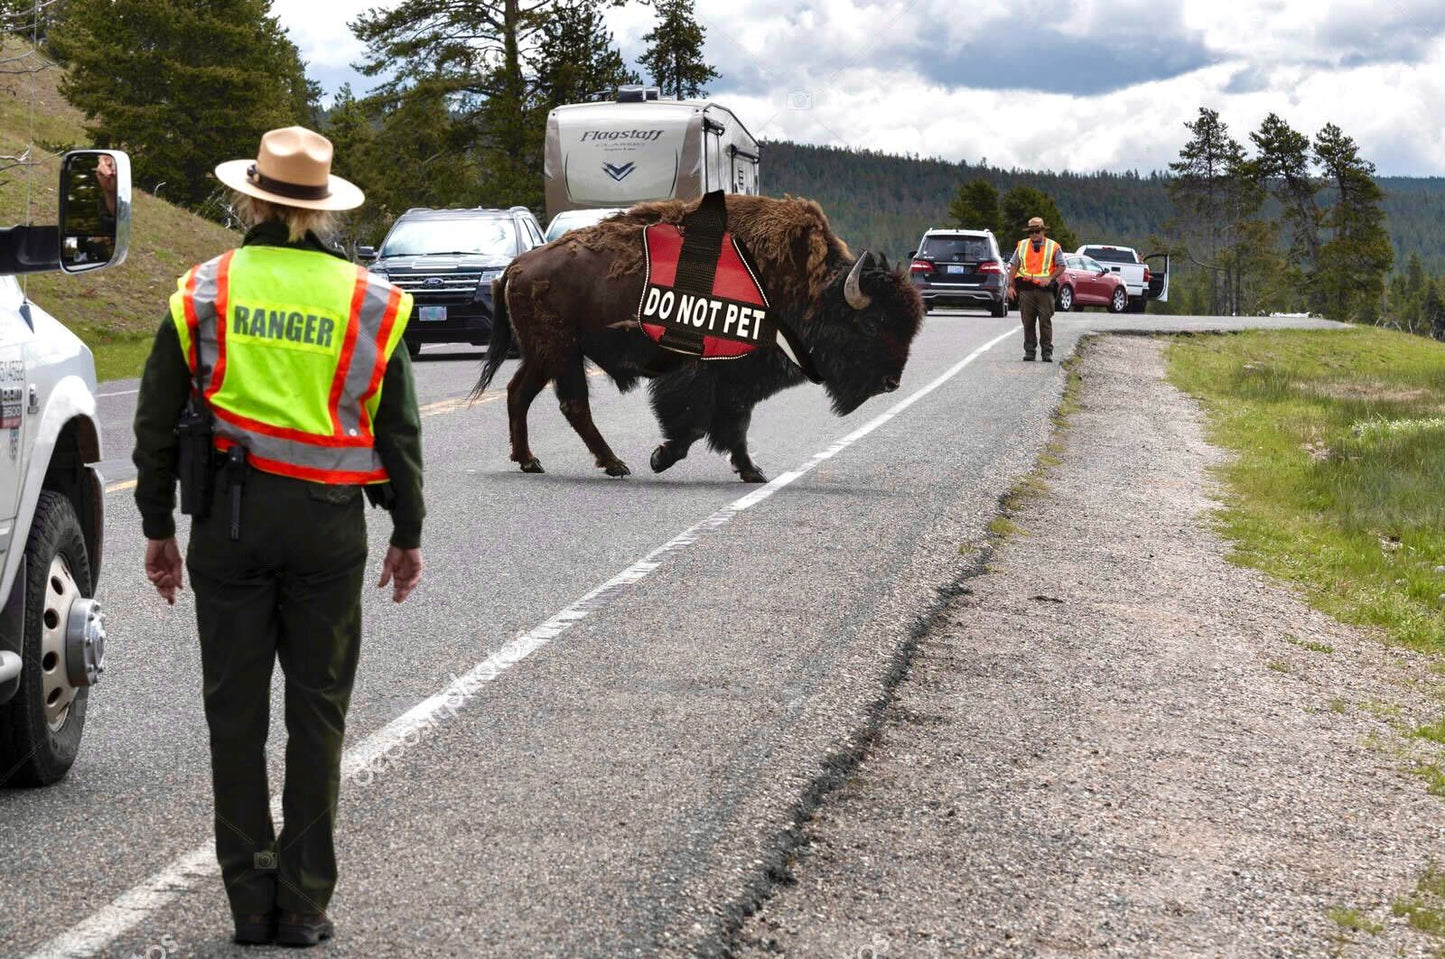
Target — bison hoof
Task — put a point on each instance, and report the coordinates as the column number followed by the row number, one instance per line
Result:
column 532, row 465
column 618, row 469
column 752, row 474
column 662, row 459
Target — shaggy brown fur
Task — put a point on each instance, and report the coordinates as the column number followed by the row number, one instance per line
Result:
column 576, row 299
column 794, row 248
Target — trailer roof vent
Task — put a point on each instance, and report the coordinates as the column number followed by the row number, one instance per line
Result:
column 636, row 93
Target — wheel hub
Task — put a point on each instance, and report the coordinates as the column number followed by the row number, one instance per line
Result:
column 72, row 643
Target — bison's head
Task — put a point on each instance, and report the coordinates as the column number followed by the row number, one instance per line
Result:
column 868, row 320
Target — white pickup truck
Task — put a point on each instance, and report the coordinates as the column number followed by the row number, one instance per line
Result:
column 1143, row 282
column 52, row 499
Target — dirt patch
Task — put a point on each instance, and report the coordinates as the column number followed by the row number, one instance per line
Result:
column 1118, row 741
column 1365, row 392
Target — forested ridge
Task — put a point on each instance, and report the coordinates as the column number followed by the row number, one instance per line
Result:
column 884, row 202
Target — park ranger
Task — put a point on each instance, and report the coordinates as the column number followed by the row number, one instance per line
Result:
column 276, row 395
column 1036, row 264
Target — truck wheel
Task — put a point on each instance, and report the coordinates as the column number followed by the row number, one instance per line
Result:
column 413, row 348
column 1137, row 304
column 1119, row 301
column 40, row 728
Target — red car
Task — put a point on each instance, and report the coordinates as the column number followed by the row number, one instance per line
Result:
column 1087, row 282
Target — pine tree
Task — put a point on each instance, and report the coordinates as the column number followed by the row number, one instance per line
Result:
column 473, row 58
column 1434, row 312
column 674, row 51
column 181, row 84
column 577, row 61
column 975, row 207
column 1019, row 205
column 1285, row 163
column 1358, row 255
column 1217, row 192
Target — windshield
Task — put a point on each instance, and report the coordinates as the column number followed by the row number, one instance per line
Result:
column 956, row 249
column 495, row 236
column 1111, row 254
column 572, row 219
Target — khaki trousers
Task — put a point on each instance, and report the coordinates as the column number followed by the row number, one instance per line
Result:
column 1036, row 304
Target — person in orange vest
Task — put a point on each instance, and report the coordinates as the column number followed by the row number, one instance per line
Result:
column 1036, row 264
column 276, row 395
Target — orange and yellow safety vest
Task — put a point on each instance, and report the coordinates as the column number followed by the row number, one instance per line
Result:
column 1036, row 265
column 292, row 345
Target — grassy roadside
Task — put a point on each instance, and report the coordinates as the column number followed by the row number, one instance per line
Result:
column 1338, row 484
column 116, row 311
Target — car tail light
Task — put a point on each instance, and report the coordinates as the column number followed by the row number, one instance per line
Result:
column 920, row 266
column 1146, row 275
column 990, row 266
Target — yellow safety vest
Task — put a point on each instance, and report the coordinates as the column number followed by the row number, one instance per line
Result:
column 1036, row 265
column 292, row 345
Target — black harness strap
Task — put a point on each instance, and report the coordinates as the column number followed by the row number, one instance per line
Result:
column 702, row 240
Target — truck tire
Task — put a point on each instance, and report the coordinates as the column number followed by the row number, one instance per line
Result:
column 1137, row 304
column 35, row 750
column 1000, row 308
column 413, row 347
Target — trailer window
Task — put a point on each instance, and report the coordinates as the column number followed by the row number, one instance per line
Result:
column 715, row 172
column 1109, row 254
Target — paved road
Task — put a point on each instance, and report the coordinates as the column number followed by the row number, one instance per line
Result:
column 591, row 729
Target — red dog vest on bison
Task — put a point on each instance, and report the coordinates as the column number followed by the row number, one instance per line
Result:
column 702, row 296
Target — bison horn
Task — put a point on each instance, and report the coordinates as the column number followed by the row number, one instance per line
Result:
column 852, row 291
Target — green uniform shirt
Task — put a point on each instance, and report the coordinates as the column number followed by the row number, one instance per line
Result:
column 166, row 382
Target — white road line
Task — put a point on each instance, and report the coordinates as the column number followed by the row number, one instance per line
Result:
column 132, row 907
column 101, row 396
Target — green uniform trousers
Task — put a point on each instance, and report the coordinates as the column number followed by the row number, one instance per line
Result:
column 289, row 589
column 1036, row 303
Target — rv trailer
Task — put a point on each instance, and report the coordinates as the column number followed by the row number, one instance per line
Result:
column 639, row 147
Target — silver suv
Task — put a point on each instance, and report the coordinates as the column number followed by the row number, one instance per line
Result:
column 52, row 506
column 960, row 268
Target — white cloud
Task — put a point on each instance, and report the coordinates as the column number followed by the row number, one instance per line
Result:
column 1077, row 84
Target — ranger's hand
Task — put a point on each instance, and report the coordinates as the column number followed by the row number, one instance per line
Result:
column 402, row 568
column 164, row 567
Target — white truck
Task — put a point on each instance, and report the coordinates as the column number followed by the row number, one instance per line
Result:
column 52, row 508
column 1143, row 282
column 615, row 153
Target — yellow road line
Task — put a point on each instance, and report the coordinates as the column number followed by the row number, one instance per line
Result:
column 117, row 487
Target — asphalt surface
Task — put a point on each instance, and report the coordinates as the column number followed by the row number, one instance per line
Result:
column 617, row 774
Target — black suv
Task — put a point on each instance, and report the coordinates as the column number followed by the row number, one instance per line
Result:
column 447, row 260
column 960, row 268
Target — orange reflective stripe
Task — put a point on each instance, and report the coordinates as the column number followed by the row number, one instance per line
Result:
column 192, row 323
column 388, row 319
column 223, row 293
column 348, row 348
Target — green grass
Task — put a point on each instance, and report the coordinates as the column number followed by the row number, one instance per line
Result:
column 1355, row 921
column 1425, row 909
column 115, row 311
column 1338, row 484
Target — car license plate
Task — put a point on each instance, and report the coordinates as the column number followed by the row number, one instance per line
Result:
column 957, row 268
column 432, row 314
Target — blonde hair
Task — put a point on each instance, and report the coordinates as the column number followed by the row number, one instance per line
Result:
column 299, row 222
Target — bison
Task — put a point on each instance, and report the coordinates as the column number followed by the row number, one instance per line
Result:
column 576, row 299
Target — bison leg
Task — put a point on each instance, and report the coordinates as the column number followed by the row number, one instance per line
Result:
column 525, row 384
column 728, row 433
column 571, row 390
column 683, row 404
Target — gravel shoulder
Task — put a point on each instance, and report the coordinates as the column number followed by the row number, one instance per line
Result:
column 1117, row 741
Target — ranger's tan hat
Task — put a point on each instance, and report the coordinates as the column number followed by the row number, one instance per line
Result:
column 293, row 168
column 1037, row 221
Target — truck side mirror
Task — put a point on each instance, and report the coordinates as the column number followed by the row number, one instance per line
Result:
column 94, row 209
column 367, row 253
column 912, row 254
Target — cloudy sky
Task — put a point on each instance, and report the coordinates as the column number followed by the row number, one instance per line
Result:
column 1058, row 84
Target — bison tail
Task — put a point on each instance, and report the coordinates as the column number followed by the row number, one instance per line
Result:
column 501, row 342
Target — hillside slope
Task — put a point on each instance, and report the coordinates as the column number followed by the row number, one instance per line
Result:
column 115, row 310
column 884, row 202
